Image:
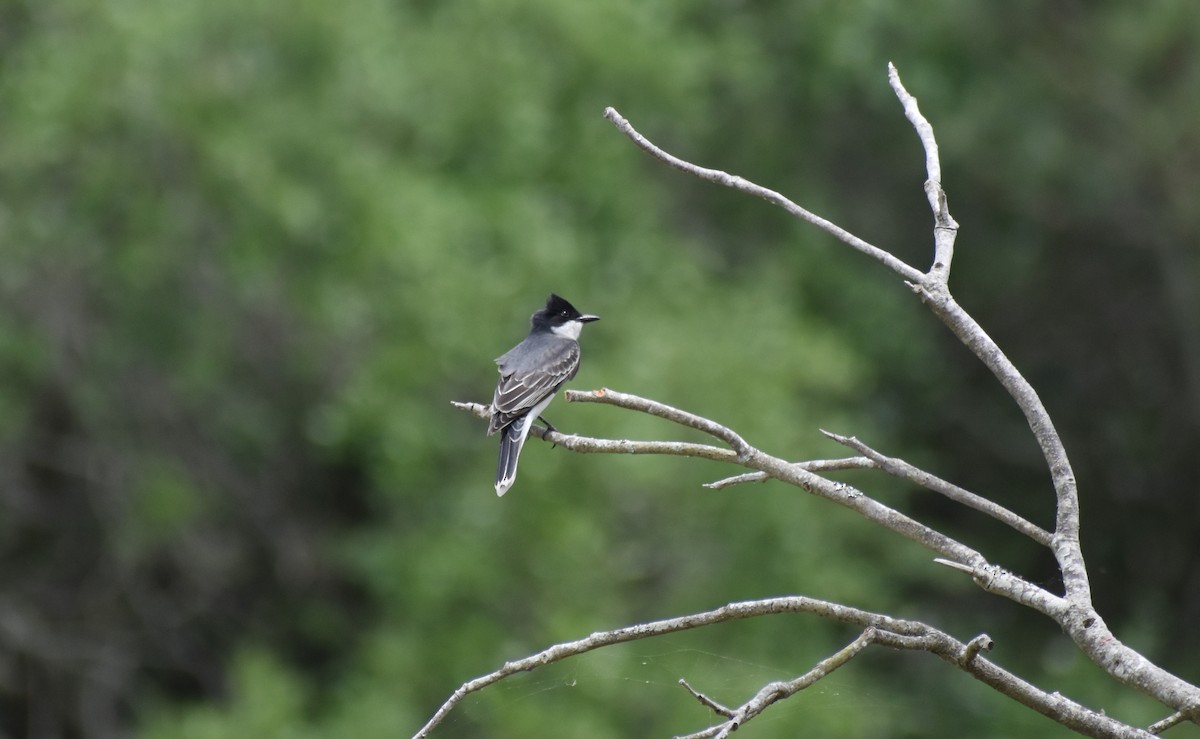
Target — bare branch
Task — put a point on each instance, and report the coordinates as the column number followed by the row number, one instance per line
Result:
column 1080, row 620
column 1065, row 543
column 1159, row 727
column 936, row 294
column 590, row 445
column 479, row 410
column 835, row 465
column 884, row 630
column 945, row 229
column 989, row 577
column 777, row 691
column 1075, row 613
column 813, row 465
column 955, row 565
column 707, row 702
column 933, row 165
column 904, row 470
column 730, row 612
column 981, row 643
column 780, row 469
column 737, row 183
column 654, row 408
column 745, row 477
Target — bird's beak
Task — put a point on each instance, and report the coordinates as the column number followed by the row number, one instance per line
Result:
column 588, row 319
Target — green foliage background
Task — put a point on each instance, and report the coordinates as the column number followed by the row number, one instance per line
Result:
column 252, row 249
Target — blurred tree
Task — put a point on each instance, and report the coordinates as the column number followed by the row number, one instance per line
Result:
column 252, row 248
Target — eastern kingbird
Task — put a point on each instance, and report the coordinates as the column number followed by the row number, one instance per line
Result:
column 530, row 374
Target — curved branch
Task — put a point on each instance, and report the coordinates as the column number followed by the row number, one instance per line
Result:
column 906, row 471
column 1065, row 543
column 589, row 445
column 988, row 576
column 737, row 183
column 729, row 612
column 946, row 229
column 1159, row 727
column 885, row 630
column 776, row 691
column 935, row 291
column 812, row 465
column 1074, row 612
column 1078, row 618
column 654, row 408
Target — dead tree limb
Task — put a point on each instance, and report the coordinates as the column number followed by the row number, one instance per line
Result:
column 1072, row 610
column 877, row 629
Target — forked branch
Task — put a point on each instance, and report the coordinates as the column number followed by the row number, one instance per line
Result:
column 776, row 691
column 1073, row 611
column 878, row 629
column 1079, row 618
column 906, row 471
column 738, row 183
column 803, row 475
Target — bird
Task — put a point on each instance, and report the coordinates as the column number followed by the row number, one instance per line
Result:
column 530, row 375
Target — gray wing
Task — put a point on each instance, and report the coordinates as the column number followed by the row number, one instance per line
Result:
column 544, row 366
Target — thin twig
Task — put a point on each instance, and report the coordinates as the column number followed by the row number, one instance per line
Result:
column 812, row 465
column 745, row 477
column 945, row 228
column 1065, row 543
column 1074, row 612
column 936, row 294
column 933, row 165
column 730, row 612
column 956, row 565
column 590, row 445
column 780, row 469
column 654, row 408
column 1174, row 719
column 990, row 578
column 981, row 643
column 707, row 702
column 885, row 630
column 904, row 470
column 777, row 691
column 1053, row 705
column 1080, row 620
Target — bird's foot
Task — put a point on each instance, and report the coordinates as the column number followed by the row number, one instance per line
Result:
column 549, row 428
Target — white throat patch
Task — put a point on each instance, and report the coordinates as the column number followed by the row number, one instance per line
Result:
column 570, row 329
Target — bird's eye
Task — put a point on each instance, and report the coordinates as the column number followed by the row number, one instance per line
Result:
column 562, row 313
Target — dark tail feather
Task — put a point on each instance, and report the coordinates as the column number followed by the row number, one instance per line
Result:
column 511, row 441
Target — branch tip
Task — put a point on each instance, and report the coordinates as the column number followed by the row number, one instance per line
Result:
column 1159, row 727
column 725, row 179
column 717, row 708
column 981, row 643
column 933, row 290
column 955, row 565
